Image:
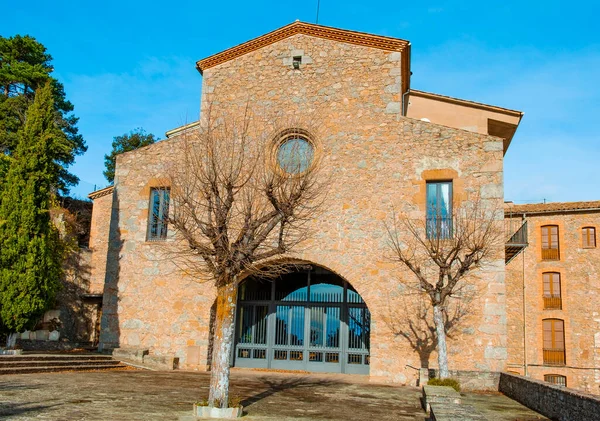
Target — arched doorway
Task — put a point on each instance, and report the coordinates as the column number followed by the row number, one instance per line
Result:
column 310, row 319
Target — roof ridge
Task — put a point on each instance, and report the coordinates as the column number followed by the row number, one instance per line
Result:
column 298, row 27
column 552, row 207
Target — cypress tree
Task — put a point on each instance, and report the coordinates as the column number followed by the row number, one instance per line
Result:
column 30, row 248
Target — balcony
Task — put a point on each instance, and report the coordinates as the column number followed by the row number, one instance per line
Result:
column 552, row 302
column 554, row 356
column 439, row 227
column 515, row 238
column 550, row 254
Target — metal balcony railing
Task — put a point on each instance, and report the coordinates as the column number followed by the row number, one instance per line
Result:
column 515, row 238
column 554, row 356
column 550, row 254
column 552, row 302
column 439, row 227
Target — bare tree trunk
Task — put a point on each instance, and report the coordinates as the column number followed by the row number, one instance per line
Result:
column 11, row 340
column 223, row 342
column 438, row 319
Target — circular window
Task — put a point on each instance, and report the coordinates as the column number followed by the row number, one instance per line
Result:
column 295, row 154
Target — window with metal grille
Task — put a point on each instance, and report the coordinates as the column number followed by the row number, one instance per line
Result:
column 550, row 246
column 439, row 209
column 556, row 379
column 589, row 237
column 552, row 296
column 554, row 342
column 158, row 213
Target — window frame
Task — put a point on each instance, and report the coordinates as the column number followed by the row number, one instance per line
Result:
column 157, row 226
column 550, row 378
column 586, row 237
column 549, row 252
column 433, row 232
column 552, row 299
column 555, row 354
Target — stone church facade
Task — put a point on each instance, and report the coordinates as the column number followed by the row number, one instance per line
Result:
column 383, row 145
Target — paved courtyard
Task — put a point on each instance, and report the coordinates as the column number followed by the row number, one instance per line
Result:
column 148, row 395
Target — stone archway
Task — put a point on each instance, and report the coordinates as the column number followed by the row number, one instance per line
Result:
column 310, row 319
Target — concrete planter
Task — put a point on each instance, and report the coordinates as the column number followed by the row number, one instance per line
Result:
column 208, row 412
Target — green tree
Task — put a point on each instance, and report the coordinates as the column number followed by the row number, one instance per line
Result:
column 128, row 142
column 30, row 248
column 25, row 66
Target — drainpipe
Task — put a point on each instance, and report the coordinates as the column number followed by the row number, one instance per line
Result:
column 524, row 315
column 403, row 111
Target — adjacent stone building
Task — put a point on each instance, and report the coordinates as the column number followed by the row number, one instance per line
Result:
column 384, row 146
column 554, row 286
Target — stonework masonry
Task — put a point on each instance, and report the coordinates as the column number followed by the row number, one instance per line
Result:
column 376, row 160
column 579, row 270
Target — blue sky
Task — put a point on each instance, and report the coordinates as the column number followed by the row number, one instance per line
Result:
column 131, row 64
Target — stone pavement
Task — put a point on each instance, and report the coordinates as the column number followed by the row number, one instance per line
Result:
column 151, row 395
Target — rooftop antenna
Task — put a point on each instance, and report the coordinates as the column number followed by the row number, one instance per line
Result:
column 318, row 5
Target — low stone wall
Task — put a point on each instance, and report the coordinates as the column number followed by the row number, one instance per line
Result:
column 439, row 394
column 143, row 358
column 469, row 380
column 454, row 412
column 555, row 402
column 41, row 346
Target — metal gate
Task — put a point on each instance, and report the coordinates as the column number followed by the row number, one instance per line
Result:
column 307, row 320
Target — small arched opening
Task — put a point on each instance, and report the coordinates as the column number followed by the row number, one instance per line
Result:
column 310, row 319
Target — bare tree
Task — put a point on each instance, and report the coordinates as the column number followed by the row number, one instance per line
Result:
column 442, row 253
column 415, row 324
column 239, row 201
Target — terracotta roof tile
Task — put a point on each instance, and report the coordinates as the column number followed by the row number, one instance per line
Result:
column 551, row 207
column 102, row 192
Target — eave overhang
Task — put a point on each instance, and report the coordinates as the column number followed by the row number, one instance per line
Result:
column 102, row 192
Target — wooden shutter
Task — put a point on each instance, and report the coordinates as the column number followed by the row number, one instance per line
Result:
column 554, row 334
column 545, row 237
column 558, row 336
column 589, row 237
column 547, row 285
column 554, row 237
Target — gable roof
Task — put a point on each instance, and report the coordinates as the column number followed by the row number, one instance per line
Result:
column 102, row 192
column 552, row 207
column 468, row 103
column 319, row 31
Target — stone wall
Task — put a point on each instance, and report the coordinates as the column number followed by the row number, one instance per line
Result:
column 579, row 270
column 554, row 402
column 99, row 235
column 376, row 161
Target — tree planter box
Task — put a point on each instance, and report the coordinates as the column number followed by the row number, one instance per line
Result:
column 208, row 412
column 439, row 394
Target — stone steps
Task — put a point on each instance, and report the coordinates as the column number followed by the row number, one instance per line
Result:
column 54, row 357
column 52, row 369
column 47, row 363
column 61, row 363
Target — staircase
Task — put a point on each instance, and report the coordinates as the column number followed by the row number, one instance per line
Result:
column 47, row 363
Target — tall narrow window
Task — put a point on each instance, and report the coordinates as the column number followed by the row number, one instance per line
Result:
column 439, row 209
column 157, row 214
column 550, row 248
column 554, row 342
column 552, row 296
column 589, row 237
